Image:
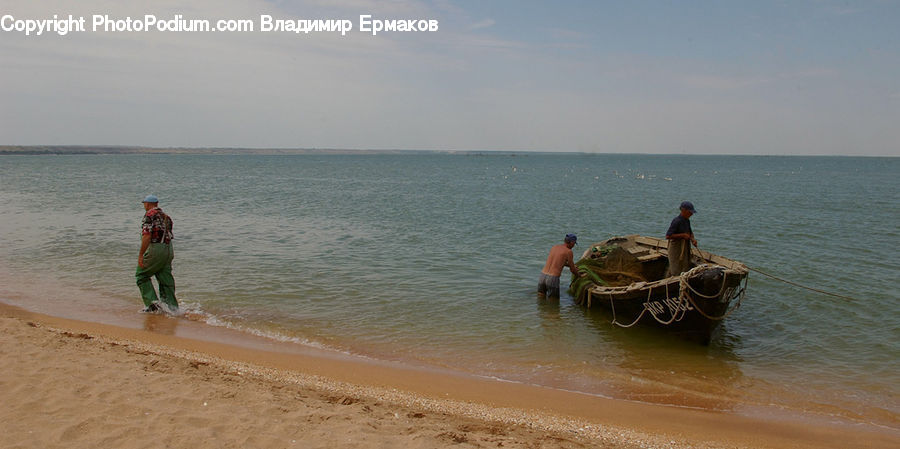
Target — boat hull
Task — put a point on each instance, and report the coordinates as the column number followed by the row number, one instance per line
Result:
column 691, row 305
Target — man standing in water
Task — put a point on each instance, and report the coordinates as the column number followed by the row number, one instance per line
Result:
column 680, row 237
column 155, row 259
column 560, row 256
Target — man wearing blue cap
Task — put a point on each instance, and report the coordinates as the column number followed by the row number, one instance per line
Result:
column 680, row 237
column 560, row 256
column 155, row 259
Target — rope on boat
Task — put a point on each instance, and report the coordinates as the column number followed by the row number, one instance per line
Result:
column 849, row 298
column 686, row 295
column 683, row 284
column 613, row 307
column 684, row 299
column 680, row 306
column 740, row 295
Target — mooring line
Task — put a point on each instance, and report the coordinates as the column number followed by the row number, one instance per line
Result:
column 849, row 298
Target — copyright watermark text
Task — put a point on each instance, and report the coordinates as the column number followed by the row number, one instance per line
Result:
column 64, row 25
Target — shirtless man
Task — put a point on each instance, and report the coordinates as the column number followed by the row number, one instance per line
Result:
column 560, row 256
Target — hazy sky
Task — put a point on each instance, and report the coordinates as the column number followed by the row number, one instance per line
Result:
column 753, row 77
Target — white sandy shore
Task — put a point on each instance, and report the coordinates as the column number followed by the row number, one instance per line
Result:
column 67, row 383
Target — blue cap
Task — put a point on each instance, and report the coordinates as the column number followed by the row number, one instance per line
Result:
column 151, row 199
column 689, row 206
column 571, row 238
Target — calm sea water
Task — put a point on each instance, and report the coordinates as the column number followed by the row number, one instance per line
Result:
column 433, row 259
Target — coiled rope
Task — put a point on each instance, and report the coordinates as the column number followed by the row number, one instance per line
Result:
column 684, row 299
column 685, row 286
column 686, row 296
column 686, row 293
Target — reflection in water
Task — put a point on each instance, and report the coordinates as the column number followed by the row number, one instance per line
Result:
column 668, row 370
column 548, row 308
column 551, row 323
column 160, row 324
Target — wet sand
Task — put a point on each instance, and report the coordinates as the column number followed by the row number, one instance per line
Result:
column 74, row 383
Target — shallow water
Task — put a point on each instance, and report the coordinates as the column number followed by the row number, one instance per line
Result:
column 432, row 259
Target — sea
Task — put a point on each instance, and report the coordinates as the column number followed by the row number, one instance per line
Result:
column 431, row 260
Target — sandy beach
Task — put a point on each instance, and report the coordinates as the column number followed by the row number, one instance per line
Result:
column 68, row 383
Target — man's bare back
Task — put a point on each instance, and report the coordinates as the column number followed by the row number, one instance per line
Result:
column 560, row 256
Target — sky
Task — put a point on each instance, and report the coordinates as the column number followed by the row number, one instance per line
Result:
column 797, row 77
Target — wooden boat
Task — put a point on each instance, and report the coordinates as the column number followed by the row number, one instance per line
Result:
column 627, row 276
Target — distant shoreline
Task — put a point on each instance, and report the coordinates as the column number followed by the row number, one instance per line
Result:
column 122, row 149
column 112, row 149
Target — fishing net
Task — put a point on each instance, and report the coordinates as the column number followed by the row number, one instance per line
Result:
column 611, row 266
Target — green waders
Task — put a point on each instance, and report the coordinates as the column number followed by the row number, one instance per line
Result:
column 157, row 262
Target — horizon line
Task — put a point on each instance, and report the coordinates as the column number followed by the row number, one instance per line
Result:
column 144, row 149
